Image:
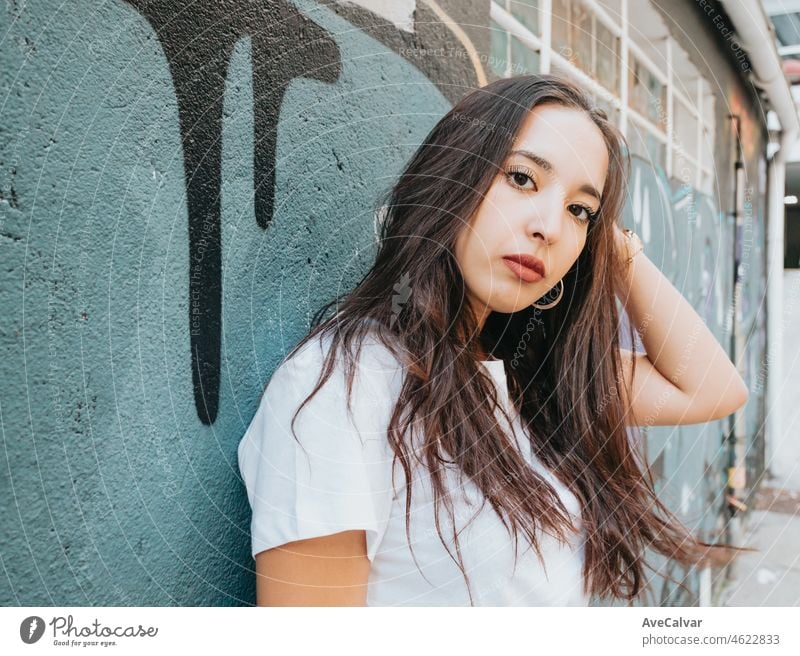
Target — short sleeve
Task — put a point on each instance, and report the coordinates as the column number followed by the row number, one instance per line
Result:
column 339, row 476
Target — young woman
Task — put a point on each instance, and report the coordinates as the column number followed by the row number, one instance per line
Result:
column 456, row 434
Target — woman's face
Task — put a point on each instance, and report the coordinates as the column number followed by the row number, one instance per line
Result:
column 539, row 205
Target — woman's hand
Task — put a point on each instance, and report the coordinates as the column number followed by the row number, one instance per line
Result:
column 620, row 248
column 626, row 248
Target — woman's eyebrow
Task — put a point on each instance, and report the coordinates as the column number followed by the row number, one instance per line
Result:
column 547, row 166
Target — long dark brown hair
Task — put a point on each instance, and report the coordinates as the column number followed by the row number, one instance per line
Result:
column 563, row 365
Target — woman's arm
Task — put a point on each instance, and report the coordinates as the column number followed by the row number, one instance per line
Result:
column 686, row 376
column 331, row 570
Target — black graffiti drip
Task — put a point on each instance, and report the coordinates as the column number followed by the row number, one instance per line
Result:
column 198, row 38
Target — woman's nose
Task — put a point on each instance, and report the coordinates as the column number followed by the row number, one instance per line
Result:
column 545, row 222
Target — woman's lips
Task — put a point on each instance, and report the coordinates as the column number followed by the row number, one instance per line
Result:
column 523, row 272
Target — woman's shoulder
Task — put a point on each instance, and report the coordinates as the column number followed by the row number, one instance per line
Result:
column 321, row 468
column 334, row 411
column 377, row 371
column 374, row 355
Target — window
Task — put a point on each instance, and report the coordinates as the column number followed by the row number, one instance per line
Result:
column 584, row 43
column 523, row 59
column 526, row 12
column 646, row 94
column 561, row 24
column 498, row 59
column 607, row 58
column 646, row 145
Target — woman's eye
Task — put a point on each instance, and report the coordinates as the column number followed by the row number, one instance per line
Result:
column 520, row 179
column 578, row 210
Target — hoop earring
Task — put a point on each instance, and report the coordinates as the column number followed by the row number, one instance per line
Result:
column 551, row 304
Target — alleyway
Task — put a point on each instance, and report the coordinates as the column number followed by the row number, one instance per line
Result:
column 772, row 576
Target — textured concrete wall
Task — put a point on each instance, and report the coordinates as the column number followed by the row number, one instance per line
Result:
column 180, row 192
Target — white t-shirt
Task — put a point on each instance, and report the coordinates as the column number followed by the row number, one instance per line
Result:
column 341, row 479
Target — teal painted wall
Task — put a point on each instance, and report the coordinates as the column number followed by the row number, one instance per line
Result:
column 120, row 487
